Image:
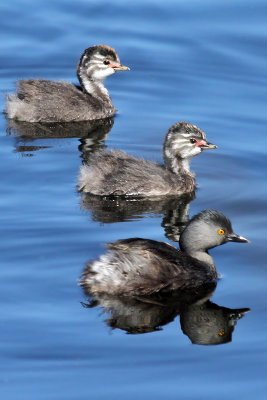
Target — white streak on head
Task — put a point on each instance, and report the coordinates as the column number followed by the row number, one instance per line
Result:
column 95, row 68
column 99, row 74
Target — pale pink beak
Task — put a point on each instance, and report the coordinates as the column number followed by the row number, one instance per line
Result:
column 118, row 66
column 204, row 145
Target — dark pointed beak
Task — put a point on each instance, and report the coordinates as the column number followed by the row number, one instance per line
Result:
column 118, row 67
column 233, row 237
column 238, row 313
column 204, row 145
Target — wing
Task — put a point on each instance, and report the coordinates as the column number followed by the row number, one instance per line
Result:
column 157, row 266
column 143, row 267
column 117, row 173
column 51, row 101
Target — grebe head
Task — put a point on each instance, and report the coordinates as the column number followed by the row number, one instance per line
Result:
column 98, row 62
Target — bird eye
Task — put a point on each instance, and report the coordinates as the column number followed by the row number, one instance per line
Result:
column 192, row 140
column 221, row 231
column 106, row 62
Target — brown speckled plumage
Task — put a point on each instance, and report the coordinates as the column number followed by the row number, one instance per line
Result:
column 140, row 267
column 144, row 267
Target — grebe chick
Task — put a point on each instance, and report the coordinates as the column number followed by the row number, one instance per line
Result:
column 140, row 267
column 55, row 101
column 115, row 173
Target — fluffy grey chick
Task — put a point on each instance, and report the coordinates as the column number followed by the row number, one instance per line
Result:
column 115, row 173
column 40, row 100
column 140, row 267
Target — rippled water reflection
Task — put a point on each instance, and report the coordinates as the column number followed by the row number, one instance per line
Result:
column 201, row 320
column 205, row 63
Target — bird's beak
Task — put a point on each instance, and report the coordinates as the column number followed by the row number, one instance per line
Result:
column 233, row 237
column 204, row 145
column 239, row 313
column 118, row 67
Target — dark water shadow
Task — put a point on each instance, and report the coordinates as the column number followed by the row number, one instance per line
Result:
column 175, row 210
column 91, row 133
column 209, row 323
column 201, row 320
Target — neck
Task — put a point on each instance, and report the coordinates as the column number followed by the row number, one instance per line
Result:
column 204, row 257
column 200, row 255
column 94, row 88
column 175, row 164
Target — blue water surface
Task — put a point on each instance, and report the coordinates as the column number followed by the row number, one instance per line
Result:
column 203, row 62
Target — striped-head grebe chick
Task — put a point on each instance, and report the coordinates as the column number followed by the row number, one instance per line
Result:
column 55, row 101
column 115, row 173
column 140, row 267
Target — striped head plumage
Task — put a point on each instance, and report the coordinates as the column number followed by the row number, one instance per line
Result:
column 98, row 62
column 185, row 140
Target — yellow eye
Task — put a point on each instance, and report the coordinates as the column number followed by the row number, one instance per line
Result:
column 221, row 331
column 221, row 231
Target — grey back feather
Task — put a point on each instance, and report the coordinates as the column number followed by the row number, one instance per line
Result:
column 51, row 101
column 143, row 267
column 117, row 173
